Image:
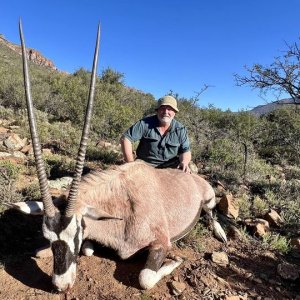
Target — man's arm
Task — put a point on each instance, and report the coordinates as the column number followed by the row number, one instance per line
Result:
column 184, row 160
column 126, row 147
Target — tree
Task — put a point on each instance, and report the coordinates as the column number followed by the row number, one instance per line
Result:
column 112, row 77
column 280, row 77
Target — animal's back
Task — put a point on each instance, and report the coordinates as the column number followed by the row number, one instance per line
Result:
column 152, row 202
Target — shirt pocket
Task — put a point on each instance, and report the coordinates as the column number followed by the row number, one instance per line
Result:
column 172, row 148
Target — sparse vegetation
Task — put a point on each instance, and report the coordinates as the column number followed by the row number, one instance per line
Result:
column 256, row 158
column 193, row 239
column 276, row 242
column 8, row 174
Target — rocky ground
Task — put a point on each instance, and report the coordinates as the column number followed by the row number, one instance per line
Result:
column 241, row 269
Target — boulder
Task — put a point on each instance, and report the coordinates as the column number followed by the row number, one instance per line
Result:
column 227, row 207
column 14, row 142
column 257, row 227
column 220, row 258
column 273, row 218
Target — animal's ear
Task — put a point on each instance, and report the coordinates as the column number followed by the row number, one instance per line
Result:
column 98, row 214
column 28, row 207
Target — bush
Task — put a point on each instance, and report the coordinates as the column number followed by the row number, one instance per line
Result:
column 31, row 192
column 8, row 175
column 59, row 166
column 10, row 170
column 276, row 242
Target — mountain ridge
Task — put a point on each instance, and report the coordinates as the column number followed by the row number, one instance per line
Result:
column 32, row 54
column 264, row 109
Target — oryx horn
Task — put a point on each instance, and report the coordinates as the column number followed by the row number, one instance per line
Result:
column 46, row 197
column 85, row 132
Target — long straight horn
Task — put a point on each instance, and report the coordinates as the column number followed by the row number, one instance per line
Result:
column 85, row 132
column 46, row 197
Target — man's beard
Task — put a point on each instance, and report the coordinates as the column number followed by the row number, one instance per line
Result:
column 165, row 119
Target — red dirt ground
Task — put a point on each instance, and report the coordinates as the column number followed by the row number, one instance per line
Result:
column 251, row 274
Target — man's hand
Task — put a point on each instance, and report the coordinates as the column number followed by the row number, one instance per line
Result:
column 184, row 167
column 185, row 159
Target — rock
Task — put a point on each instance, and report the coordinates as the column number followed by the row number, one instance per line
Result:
column 288, row 271
column 27, row 149
column 260, row 230
column 47, row 151
column 177, row 287
column 220, row 258
column 227, row 207
column 295, row 243
column 4, row 154
column 274, row 218
column 193, row 168
column 234, row 233
column 19, row 154
column 39, row 59
column 14, row 142
column 232, row 298
column 14, row 127
column 220, row 189
column 3, row 130
column 3, row 122
column 257, row 280
column 257, row 227
column 60, row 183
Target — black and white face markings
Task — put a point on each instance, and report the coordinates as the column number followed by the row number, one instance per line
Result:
column 65, row 236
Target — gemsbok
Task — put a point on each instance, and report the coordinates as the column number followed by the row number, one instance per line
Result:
column 127, row 208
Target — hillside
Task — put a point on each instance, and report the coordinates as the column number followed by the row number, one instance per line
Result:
column 261, row 110
column 33, row 55
column 252, row 163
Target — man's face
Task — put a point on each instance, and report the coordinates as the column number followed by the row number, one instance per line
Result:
column 165, row 114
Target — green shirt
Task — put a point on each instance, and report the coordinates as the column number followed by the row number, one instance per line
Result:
column 155, row 148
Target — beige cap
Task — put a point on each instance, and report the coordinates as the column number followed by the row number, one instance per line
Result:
column 167, row 100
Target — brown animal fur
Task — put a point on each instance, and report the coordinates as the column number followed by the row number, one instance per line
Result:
column 154, row 205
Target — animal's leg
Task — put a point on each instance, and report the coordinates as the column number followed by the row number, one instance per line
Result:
column 217, row 228
column 87, row 248
column 154, row 270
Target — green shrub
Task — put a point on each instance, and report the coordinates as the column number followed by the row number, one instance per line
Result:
column 226, row 154
column 8, row 175
column 10, row 170
column 193, row 238
column 59, row 166
column 244, row 203
column 276, row 242
column 259, row 205
column 106, row 156
column 31, row 192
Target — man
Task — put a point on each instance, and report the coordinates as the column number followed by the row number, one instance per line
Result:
column 163, row 141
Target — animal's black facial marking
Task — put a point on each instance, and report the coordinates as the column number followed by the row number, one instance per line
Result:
column 58, row 223
column 65, row 235
column 63, row 257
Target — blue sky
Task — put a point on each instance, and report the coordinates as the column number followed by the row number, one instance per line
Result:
column 161, row 45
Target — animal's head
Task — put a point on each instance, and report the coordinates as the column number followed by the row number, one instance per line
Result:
column 64, row 228
column 65, row 234
column 65, row 237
